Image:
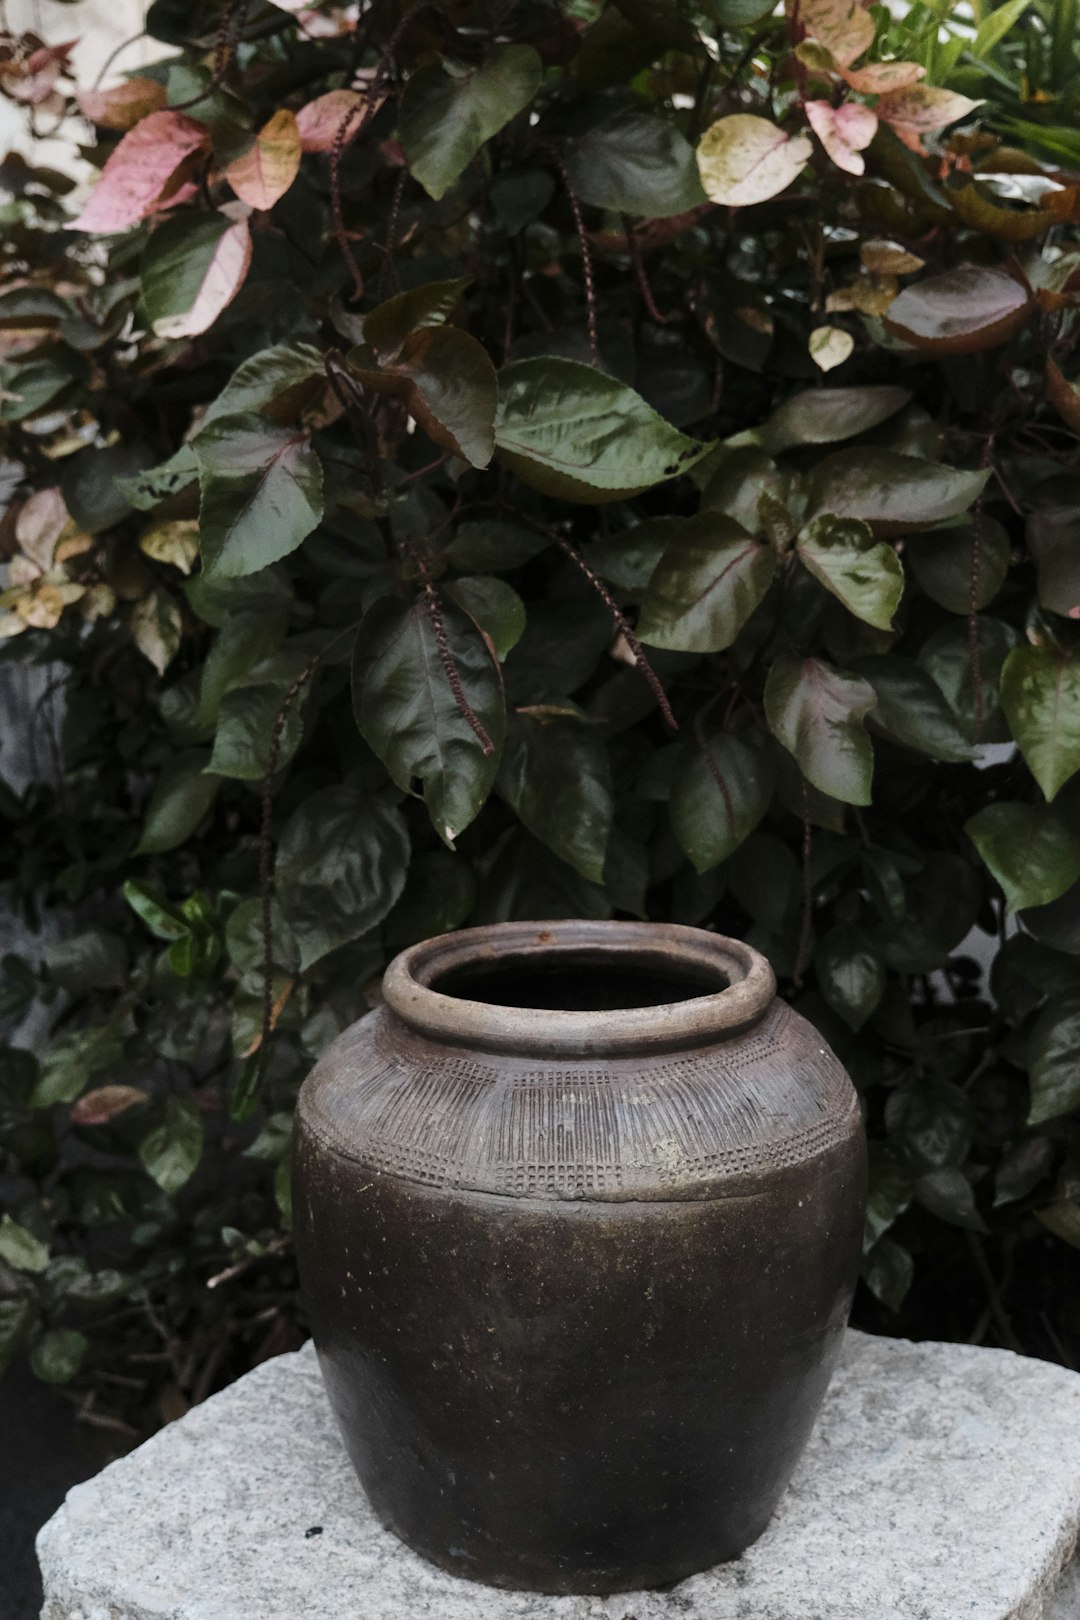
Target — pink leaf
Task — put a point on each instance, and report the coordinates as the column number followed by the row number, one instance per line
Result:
column 265, row 171
column 843, row 132
column 922, row 107
column 140, row 169
column 320, row 121
column 222, row 279
column 844, row 27
column 124, row 105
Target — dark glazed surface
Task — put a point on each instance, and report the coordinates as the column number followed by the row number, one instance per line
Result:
column 576, row 1314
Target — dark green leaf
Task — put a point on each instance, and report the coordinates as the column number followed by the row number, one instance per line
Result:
column 911, row 709
column 893, row 494
column 570, row 431
column 388, row 326
column 162, row 919
column 1033, row 853
column 1022, row 1168
column 449, row 111
column 1040, row 694
column 554, row 773
column 888, row 1195
column 862, row 573
column 407, row 711
column 828, row 415
column 193, row 266
column 720, row 791
column 261, row 489
column 94, row 959
column 635, row 163
column 58, row 1355
column 1051, row 538
column 709, row 580
column 71, row 1061
column 1052, row 1065
column 949, row 1195
column 182, row 795
column 16, row 1319
column 145, row 490
column 171, row 1150
column 491, row 547
column 493, row 606
column 944, row 564
column 932, row 1121
column 438, row 896
column 446, row 381
column 93, row 484
column 888, row 1271
column 341, row 865
column 946, row 655
column 278, row 382
column 849, row 974
column 817, row 713
column 26, row 388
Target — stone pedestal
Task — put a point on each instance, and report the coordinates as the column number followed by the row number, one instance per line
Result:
column 942, row 1483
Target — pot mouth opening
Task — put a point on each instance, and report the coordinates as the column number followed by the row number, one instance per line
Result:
column 575, row 988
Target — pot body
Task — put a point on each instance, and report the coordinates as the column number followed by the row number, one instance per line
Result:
column 576, row 1310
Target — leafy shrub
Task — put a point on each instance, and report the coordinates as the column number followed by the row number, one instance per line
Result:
column 476, row 462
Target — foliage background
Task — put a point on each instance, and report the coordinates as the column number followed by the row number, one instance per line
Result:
column 483, row 461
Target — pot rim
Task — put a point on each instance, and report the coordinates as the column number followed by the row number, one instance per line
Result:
column 543, row 1032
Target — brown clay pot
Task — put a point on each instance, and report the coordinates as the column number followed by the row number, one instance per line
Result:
column 578, row 1213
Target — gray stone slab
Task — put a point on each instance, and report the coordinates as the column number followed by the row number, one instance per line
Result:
column 942, row 1483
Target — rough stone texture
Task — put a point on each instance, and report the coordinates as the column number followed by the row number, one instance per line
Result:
column 942, row 1483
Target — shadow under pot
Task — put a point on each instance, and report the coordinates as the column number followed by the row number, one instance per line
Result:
column 578, row 1213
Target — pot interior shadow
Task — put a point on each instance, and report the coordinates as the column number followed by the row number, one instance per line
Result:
column 567, row 981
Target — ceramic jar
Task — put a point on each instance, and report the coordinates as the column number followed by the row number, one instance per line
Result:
column 578, row 1213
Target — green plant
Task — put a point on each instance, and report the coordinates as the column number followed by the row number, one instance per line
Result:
column 472, row 462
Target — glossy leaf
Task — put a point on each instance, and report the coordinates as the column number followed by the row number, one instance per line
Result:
column 720, row 790
column 1051, row 539
column 893, row 494
column 830, row 346
column 193, row 267
column 971, row 308
column 861, row 572
column 122, row 105
column 817, row 713
column 911, row 709
column 494, row 607
column 743, row 159
column 171, row 1149
column 446, row 381
column 555, row 775
column 948, row 1194
column 261, row 493
column 1032, row 852
column 709, row 579
column 406, row 708
column 449, row 111
column 828, row 415
column 340, row 866
column 392, row 323
column 844, row 27
column 1051, row 1060
column 20, row 1248
column 946, row 655
column 635, row 163
column 278, row 382
column 1040, row 694
column 139, row 170
column 569, row 431
column 889, row 1271
column 263, row 172
column 921, row 107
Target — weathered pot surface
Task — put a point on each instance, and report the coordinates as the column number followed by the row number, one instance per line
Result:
column 578, row 1213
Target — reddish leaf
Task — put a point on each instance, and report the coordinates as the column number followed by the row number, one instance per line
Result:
column 844, row 27
column 966, row 310
column 320, row 121
column 882, row 78
column 843, row 132
column 124, row 105
column 139, row 171
column 922, row 107
column 265, row 171
column 1063, row 395
column 105, row 1104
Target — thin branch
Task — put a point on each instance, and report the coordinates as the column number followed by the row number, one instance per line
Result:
column 433, row 609
column 586, row 256
column 641, row 662
column 640, row 272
